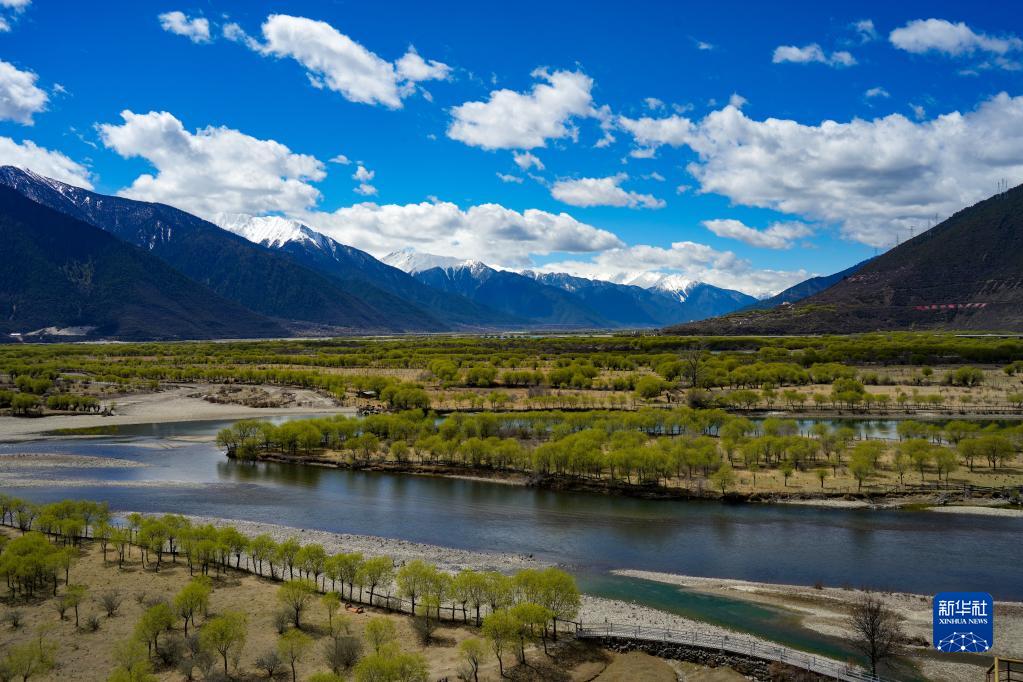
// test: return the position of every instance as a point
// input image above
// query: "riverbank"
(593, 610)
(826, 610)
(175, 404)
(946, 498)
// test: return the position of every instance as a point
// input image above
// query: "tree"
(292, 647)
(154, 621)
(132, 663)
(331, 603)
(380, 632)
(724, 477)
(376, 571)
(822, 474)
(296, 595)
(414, 579)
(224, 635)
(73, 597)
(192, 599)
(392, 665)
(878, 630)
(474, 652)
(501, 629)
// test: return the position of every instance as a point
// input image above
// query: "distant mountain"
(63, 277)
(667, 299)
(262, 280)
(562, 299)
(806, 288)
(508, 292)
(380, 284)
(965, 273)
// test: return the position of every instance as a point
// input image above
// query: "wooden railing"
(736, 644)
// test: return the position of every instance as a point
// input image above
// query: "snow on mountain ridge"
(270, 231)
(412, 261)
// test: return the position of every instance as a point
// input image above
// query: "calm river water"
(913, 551)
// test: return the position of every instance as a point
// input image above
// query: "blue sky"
(656, 124)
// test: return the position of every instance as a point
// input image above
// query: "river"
(909, 551)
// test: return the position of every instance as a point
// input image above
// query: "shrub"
(110, 601)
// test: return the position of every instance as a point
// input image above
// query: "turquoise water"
(777, 624)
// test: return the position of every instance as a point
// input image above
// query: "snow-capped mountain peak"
(412, 261)
(270, 231)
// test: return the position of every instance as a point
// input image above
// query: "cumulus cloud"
(938, 35)
(197, 30)
(341, 159)
(52, 164)
(365, 177)
(214, 169)
(642, 263)
(489, 232)
(527, 160)
(810, 54)
(602, 192)
(413, 68)
(515, 179)
(19, 96)
(776, 236)
(516, 120)
(876, 92)
(336, 62)
(876, 178)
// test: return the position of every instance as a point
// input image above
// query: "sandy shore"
(18, 461)
(175, 404)
(829, 503)
(978, 510)
(826, 611)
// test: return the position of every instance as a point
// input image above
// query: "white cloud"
(19, 96)
(643, 263)
(876, 92)
(515, 120)
(919, 112)
(702, 45)
(602, 192)
(214, 169)
(505, 177)
(810, 54)
(876, 178)
(414, 68)
(365, 177)
(489, 232)
(527, 160)
(197, 30)
(52, 164)
(654, 176)
(865, 30)
(938, 35)
(653, 103)
(15, 4)
(776, 236)
(341, 160)
(335, 61)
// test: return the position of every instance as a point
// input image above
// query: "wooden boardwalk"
(735, 644)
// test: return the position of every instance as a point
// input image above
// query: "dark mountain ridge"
(965, 273)
(59, 272)
(269, 283)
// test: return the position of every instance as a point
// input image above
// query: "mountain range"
(68, 278)
(274, 276)
(964, 273)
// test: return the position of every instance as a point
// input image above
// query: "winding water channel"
(912, 551)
